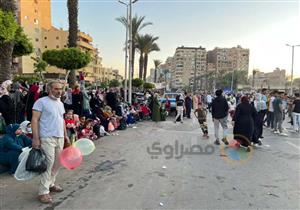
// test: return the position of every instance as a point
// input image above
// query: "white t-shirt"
(271, 109)
(209, 99)
(51, 122)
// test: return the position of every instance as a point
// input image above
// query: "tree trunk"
(73, 33)
(141, 65)
(145, 66)
(6, 51)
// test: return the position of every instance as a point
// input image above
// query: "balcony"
(85, 45)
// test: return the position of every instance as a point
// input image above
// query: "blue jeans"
(296, 121)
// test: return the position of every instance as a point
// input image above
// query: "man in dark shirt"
(296, 112)
(219, 111)
(278, 113)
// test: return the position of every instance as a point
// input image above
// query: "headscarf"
(11, 129)
(3, 88)
(35, 90)
(24, 125)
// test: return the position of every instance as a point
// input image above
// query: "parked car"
(172, 99)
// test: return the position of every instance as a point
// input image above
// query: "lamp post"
(130, 41)
(231, 86)
(126, 53)
(195, 71)
(292, 70)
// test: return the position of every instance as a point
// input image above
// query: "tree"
(137, 82)
(73, 32)
(148, 86)
(239, 77)
(156, 64)
(141, 45)
(39, 67)
(137, 25)
(150, 47)
(68, 59)
(114, 83)
(22, 44)
(8, 29)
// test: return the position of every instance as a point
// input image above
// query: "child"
(87, 131)
(70, 124)
(201, 113)
(146, 111)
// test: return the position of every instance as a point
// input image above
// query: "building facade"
(229, 59)
(187, 63)
(270, 80)
(35, 17)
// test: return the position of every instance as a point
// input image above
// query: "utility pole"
(195, 70)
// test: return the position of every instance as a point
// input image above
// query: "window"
(65, 45)
(57, 38)
(46, 46)
(36, 39)
(36, 21)
(35, 1)
(57, 46)
(45, 38)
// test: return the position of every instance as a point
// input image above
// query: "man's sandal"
(45, 198)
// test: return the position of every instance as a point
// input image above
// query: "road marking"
(293, 145)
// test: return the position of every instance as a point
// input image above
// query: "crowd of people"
(51, 117)
(249, 112)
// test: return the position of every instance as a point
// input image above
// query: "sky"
(263, 26)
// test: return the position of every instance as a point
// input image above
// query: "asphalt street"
(170, 166)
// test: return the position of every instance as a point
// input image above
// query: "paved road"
(121, 174)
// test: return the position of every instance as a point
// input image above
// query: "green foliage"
(68, 59)
(39, 67)
(30, 79)
(224, 80)
(103, 85)
(148, 85)
(8, 27)
(114, 83)
(137, 82)
(23, 45)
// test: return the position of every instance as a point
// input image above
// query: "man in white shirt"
(49, 133)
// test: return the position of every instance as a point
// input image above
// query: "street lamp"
(126, 52)
(130, 41)
(292, 70)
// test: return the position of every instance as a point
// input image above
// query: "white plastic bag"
(21, 174)
(103, 132)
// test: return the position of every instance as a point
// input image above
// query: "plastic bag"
(36, 161)
(21, 174)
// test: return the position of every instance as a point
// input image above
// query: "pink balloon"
(234, 144)
(70, 157)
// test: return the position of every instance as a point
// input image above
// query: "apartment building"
(187, 62)
(35, 18)
(228, 59)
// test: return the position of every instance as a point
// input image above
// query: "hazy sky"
(262, 26)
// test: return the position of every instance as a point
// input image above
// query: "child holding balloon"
(70, 124)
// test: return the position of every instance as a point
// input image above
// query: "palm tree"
(141, 46)
(73, 32)
(137, 25)
(6, 49)
(156, 64)
(150, 47)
